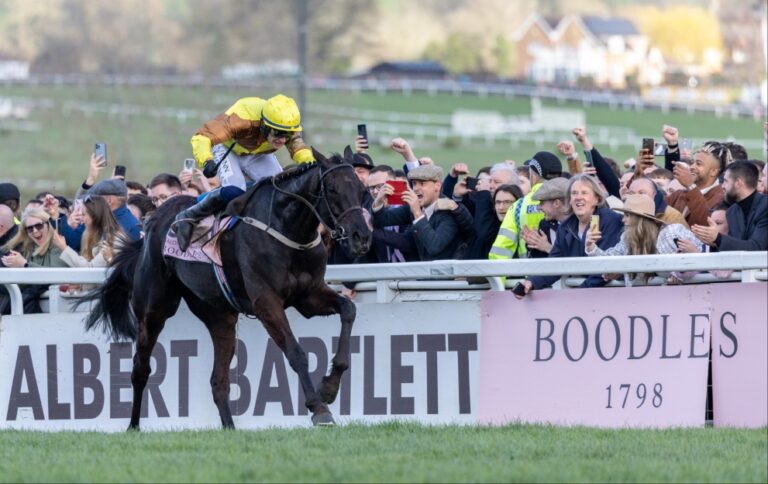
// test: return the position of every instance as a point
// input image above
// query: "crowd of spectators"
(583, 204)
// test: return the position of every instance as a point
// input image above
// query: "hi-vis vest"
(509, 241)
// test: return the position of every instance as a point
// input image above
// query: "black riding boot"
(186, 219)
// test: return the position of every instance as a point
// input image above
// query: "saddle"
(204, 246)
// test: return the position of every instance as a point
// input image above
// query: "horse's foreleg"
(276, 324)
(329, 387)
(148, 331)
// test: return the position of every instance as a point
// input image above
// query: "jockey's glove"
(210, 168)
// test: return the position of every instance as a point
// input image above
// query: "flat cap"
(113, 186)
(551, 190)
(426, 173)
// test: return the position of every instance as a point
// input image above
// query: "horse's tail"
(112, 301)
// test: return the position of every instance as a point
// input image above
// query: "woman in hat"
(644, 233)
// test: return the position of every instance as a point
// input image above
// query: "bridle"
(337, 232)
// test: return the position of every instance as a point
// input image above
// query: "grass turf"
(391, 452)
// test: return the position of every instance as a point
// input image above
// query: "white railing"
(387, 279)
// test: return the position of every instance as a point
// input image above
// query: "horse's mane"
(293, 172)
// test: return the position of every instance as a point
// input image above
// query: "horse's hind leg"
(276, 323)
(324, 302)
(221, 325)
(151, 323)
(149, 329)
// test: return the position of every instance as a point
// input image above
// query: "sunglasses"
(276, 133)
(32, 228)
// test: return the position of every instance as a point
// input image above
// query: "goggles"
(277, 133)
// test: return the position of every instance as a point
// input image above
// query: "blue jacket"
(127, 222)
(72, 236)
(569, 243)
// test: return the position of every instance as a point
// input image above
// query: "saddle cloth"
(202, 248)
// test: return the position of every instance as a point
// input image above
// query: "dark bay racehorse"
(266, 276)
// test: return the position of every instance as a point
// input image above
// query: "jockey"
(242, 141)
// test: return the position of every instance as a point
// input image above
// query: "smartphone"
(648, 145)
(189, 164)
(120, 171)
(77, 205)
(397, 197)
(519, 289)
(686, 148)
(594, 224)
(675, 240)
(471, 183)
(100, 149)
(362, 131)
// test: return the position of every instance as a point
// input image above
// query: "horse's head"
(344, 195)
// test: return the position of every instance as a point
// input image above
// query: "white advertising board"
(416, 361)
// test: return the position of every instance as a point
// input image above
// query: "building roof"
(601, 26)
(414, 67)
(552, 21)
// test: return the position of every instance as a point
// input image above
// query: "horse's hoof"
(323, 420)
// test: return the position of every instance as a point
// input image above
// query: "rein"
(337, 232)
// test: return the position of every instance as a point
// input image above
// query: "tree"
(683, 34)
(460, 53)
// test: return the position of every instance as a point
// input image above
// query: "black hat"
(362, 160)
(545, 164)
(9, 191)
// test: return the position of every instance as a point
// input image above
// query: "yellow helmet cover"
(281, 112)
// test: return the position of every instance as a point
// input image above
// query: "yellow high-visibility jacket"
(509, 241)
(241, 123)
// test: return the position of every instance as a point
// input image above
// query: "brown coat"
(698, 204)
(242, 123)
(246, 132)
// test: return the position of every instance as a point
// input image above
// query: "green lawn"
(392, 452)
(56, 156)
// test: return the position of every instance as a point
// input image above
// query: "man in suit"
(435, 231)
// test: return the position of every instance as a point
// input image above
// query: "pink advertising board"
(608, 357)
(740, 355)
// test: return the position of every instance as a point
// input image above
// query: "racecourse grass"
(56, 156)
(391, 452)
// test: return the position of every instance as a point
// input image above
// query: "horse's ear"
(348, 154)
(318, 156)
